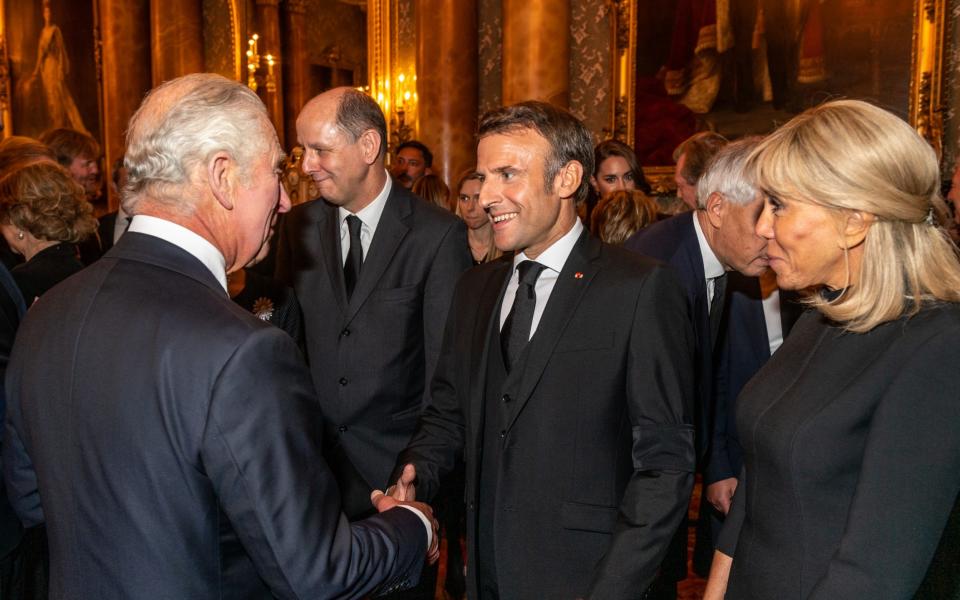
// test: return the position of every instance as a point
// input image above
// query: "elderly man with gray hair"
(170, 441)
(718, 256)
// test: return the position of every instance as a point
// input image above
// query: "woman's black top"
(852, 463)
(46, 269)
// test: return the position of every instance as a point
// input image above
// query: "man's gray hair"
(725, 174)
(179, 126)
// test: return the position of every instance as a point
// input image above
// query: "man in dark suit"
(12, 308)
(374, 269)
(562, 381)
(180, 455)
(702, 247)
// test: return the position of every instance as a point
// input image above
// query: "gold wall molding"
(927, 71)
(623, 33)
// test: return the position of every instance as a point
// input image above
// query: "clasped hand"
(404, 492)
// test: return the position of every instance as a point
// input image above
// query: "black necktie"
(516, 329)
(716, 307)
(351, 268)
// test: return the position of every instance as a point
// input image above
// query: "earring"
(19, 235)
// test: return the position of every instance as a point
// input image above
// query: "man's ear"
(220, 177)
(369, 142)
(854, 227)
(569, 178)
(714, 207)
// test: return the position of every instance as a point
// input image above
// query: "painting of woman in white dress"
(50, 73)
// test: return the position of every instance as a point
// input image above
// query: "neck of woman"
(36, 246)
(479, 240)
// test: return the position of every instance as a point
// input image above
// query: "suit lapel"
(574, 280)
(329, 226)
(487, 317)
(390, 232)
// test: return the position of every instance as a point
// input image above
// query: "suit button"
(506, 398)
(503, 433)
(345, 333)
(471, 506)
(343, 381)
(342, 429)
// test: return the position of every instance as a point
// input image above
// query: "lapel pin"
(578, 275)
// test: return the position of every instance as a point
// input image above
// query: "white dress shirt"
(712, 268)
(369, 218)
(185, 239)
(771, 310)
(553, 258)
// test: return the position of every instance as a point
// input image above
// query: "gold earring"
(19, 235)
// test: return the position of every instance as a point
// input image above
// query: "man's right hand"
(720, 494)
(404, 493)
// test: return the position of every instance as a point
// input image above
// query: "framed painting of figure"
(742, 67)
(51, 53)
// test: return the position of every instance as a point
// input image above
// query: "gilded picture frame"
(50, 71)
(920, 50)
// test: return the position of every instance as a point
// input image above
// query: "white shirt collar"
(185, 239)
(712, 267)
(556, 255)
(371, 213)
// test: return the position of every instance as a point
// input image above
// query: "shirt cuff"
(426, 523)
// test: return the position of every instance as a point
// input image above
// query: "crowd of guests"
(539, 350)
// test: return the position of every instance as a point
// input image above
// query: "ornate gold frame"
(926, 77)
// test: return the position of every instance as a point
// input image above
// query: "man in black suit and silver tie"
(564, 382)
(179, 456)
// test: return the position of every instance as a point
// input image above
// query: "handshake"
(404, 493)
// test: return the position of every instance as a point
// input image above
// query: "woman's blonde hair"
(43, 199)
(493, 252)
(620, 214)
(848, 155)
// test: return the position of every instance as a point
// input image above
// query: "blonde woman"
(479, 228)
(620, 214)
(850, 432)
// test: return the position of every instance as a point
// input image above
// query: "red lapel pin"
(578, 275)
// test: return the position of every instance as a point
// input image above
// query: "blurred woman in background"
(43, 214)
(479, 227)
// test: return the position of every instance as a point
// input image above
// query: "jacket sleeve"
(660, 402)
(451, 260)
(439, 437)
(908, 482)
(261, 449)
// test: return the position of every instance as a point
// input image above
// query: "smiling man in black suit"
(562, 380)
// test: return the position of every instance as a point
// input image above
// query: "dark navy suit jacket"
(175, 442)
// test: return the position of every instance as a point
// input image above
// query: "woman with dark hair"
(43, 214)
(849, 432)
(616, 168)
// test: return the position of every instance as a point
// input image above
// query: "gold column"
(267, 14)
(447, 83)
(125, 35)
(296, 66)
(176, 38)
(536, 51)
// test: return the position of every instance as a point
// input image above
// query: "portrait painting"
(51, 47)
(742, 67)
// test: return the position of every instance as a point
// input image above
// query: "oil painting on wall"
(53, 67)
(742, 67)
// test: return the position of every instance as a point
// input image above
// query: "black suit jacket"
(372, 357)
(596, 455)
(674, 241)
(852, 460)
(178, 456)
